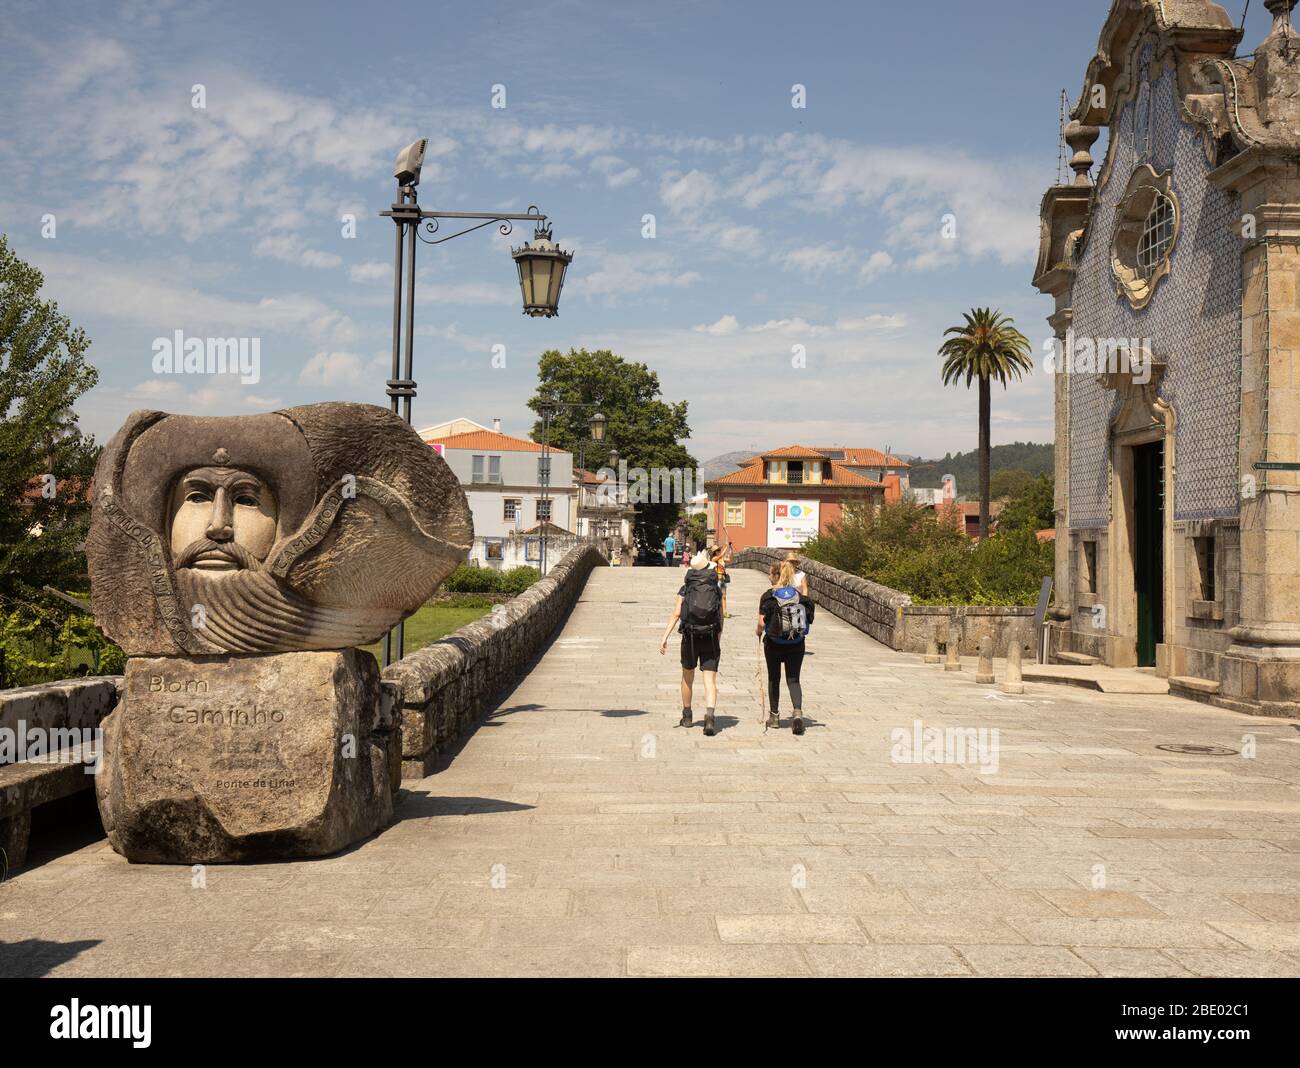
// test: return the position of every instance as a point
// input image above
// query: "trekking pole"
(762, 692)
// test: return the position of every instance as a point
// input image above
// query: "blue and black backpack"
(789, 623)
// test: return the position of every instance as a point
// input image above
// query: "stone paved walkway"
(580, 832)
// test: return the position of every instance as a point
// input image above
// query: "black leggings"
(792, 657)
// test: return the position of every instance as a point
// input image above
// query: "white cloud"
(726, 325)
(371, 271)
(877, 264)
(690, 193)
(333, 369)
(292, 249)
(135, 295)
(818, 259)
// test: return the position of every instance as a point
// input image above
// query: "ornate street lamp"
(541, 273)
(539, 261)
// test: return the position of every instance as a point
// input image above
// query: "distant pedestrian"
(782, 627)
(800, 582)
(718, 557)
(698, 617)
(670, 549)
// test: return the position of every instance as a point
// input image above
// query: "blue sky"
(775, 226)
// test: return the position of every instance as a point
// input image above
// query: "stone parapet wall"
(874, 609)
(68, 704)
(447, 685)
(1003, 623)
(893, 620)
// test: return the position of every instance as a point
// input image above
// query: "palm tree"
(986, 346)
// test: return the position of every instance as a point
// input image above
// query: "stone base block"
(248, 757)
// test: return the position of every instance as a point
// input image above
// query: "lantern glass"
(597, 425)
(541, 274)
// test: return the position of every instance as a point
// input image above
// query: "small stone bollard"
(984, 673)
(1014, 682)
(953, 663)
(932, 650)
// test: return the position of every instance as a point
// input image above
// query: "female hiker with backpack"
(782, 626)
(699, 610)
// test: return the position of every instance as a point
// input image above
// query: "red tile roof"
(792, 452)
(868, 457)
(489, 439)
(754, 473)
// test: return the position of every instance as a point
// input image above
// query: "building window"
(511, 508)
(776, 471)
(533, 549)
(1146, 230)
(544, 510)
(485, 469)
(814, 473)
(1090, 566)
(494, 549)
(1205, 564)
(735, 513)
(1157, 236)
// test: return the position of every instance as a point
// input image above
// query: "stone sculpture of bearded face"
(317, 527)
(222, 520)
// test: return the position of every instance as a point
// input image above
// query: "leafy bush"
(903, 546)
(43, 645)
(467, 579)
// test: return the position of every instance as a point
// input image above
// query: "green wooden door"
(1149, 548)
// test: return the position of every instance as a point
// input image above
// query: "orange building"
(788, 496)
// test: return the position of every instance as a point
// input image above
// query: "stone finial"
(1080, 138)
(1281, 12)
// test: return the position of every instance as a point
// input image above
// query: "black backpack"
(701, 603)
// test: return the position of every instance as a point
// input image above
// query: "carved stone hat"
(369, 520)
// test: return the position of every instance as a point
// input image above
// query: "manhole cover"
(1198, 750)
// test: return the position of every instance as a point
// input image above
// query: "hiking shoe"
(797, 724)
(709, 729)
(687, 720)
(773, 720)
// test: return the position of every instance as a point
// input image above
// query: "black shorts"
(702, 649)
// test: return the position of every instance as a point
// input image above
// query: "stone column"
(1261, 669)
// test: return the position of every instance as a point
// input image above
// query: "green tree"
(905, 547)
(1034, 508)
(45, 465)
(1006, 485)
(646, 430)
(986, 346)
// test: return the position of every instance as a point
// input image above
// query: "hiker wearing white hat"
(698, 616)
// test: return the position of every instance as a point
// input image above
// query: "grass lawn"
(431, 621)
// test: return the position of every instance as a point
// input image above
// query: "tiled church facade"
(1178, 494)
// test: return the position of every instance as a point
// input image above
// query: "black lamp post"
(541, 276)
(596, 427)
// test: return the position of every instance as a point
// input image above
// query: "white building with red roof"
(504, 480)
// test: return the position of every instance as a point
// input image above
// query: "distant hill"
(964, 466)
(722, 465)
